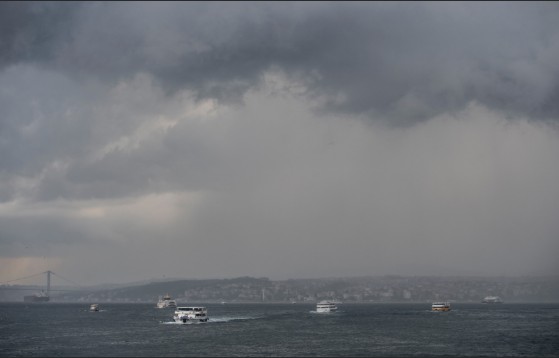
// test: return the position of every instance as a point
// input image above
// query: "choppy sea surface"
(268, 330)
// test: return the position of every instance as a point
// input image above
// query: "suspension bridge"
(44, 296)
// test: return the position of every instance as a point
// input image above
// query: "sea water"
(267, 330)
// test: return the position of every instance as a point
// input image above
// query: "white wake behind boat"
(191, 314)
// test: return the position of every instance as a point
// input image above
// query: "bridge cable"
(21, 278)
(72, 282)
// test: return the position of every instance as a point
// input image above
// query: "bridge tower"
(48, 282)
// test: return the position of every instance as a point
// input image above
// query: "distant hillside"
(355, 289)
(182, 290)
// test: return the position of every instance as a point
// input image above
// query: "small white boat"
(191, 314)
(492, 299)
(166, 301)
(94, 307)
(440, 306)
(326, 306)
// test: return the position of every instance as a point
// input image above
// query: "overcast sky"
(148, 140)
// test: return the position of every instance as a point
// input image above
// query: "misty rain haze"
(145, 140)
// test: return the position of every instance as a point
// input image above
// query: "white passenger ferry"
(191, 314)
(326, 306)
(166, 301)
(94, 307)
(440, 306)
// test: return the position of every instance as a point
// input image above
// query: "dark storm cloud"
(31, 31)
(402, 62)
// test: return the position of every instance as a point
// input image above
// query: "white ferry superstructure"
(166, 301)
(191, 314)
(326, 306)
(440, 306)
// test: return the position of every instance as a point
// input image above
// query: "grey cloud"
(23, 236)
(31, 31)
(401, 62)
(36, 120)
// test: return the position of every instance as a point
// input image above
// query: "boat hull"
(326, 310)
(440, 306)
(187, 320)
(166, 305)
(36, 298)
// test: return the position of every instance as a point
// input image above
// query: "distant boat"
(94, 307)
(166, 301)
(326, 306)
(41, 297)
(440, 306)
(492, 299)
